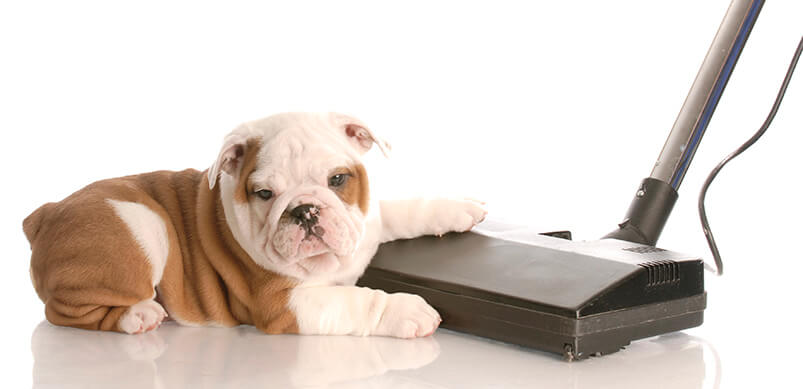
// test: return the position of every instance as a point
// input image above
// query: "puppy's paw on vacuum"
(458, 215)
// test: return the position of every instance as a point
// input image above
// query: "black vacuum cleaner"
(578, 298)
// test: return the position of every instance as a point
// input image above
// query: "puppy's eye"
(264, 194)
(338, 180)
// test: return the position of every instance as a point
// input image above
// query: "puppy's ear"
(230, 159)
(359, 135)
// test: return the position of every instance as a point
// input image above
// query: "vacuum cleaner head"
(581, 298)
(574, 298)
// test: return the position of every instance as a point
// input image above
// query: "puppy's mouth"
(310, 233)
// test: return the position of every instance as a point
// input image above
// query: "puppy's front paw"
(457, 215)
(407, 316)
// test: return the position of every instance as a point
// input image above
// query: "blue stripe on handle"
(713, 99)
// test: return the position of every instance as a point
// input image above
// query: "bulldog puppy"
(274, 234)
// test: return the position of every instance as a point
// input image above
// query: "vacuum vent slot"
(661, 272)
(644, 249)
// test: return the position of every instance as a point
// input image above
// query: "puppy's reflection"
(176, 356)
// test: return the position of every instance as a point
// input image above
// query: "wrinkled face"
(295, 193)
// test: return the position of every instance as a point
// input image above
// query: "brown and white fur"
(205, 248)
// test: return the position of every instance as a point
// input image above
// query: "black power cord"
(701, 202)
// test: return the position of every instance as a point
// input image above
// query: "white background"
(550, 112)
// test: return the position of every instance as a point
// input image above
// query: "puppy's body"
(273, 235)
(93, 258)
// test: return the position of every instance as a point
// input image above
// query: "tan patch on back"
(243, 189)
(355, 191)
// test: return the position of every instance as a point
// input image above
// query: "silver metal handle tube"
(705, 92)
(650, 208)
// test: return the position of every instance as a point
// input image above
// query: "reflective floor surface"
(184, 357)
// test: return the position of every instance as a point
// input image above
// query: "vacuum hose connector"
(648, 213)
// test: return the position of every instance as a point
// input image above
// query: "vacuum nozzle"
(648, 213)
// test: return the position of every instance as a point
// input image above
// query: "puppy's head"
(294, 190)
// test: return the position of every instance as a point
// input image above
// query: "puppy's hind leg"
(95, 264)
(150, 232)
(142, 317)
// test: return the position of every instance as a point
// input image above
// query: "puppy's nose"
(305, 213)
